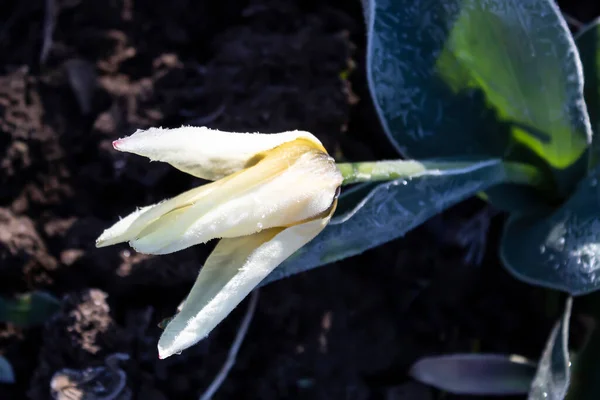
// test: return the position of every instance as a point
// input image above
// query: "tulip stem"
(375, 171)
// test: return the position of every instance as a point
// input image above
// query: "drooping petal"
(294, 183)
(129, 227)
(119, 232)
(203, 152)
(231, 272)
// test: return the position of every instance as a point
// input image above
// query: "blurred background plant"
(26, 310)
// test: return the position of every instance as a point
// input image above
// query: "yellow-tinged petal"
(292, 184)
(203, 152)
(235, 267)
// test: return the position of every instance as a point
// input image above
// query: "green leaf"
(588, 43)
(29, 309)
(388, 211)
(585, 370)
(7, 374)
(476, 374)
(553, 374)
(560, 250)
(497, 78)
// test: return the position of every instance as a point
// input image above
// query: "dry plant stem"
(574, 22)
(235, 347)
(49, 21)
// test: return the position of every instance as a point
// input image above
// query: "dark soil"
(347, 331)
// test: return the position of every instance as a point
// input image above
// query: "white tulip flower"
(272, 194)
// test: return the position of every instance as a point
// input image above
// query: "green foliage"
(465, 77)
(458, 78)
(497, 374)
(560, 250)
(29, 309)
(468, 81)
(26, 310)
(553, 375)
(585, 376)
(489, 83)
(588, 43)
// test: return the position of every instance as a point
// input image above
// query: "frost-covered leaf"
(553, 375)
(588, 43)
(585, 368)
(388, 211)
(479, 77)
(560, 250)
(7, 374)
(476, 374)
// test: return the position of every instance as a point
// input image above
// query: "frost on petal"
(230, 273)
(282, 190)
(120, 231)
(131, 226)
(203, 152)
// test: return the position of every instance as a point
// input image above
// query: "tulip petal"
(279, 191)
(119, 231)
(203, 152)
(231, 272)
(129, 227)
